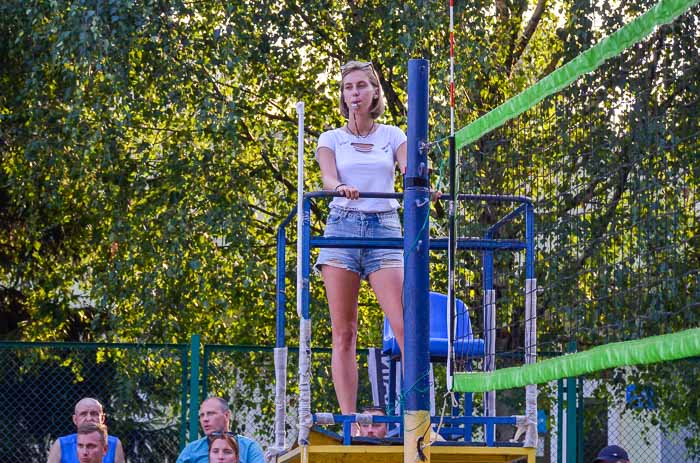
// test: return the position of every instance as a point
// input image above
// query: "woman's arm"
(329, 174)
(402, 158)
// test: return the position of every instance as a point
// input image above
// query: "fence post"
(194, 387)
(571, 421)
(560, 420)
(183, 394)
(580, 417)
(205, 373)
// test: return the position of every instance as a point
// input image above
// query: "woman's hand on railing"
(347, 191)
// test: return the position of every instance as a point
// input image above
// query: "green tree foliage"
(148, 148)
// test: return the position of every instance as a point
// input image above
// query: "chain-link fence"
(142, 389)
(245, 376)
(633, 407)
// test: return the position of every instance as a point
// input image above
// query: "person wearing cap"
(612, 454)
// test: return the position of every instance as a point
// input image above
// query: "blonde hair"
(377, 108)
(89, 428)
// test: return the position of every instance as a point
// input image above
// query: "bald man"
(65, 449)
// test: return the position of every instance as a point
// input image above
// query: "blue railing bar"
(469, 420)
(397, 243)
(461, 197)
(287, 219)
(493, 229)
(281, 297)
(368, 194)
(474, 420)
(495, 198)
(480, 244)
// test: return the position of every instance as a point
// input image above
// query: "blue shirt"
(198, 451)
(69, 449)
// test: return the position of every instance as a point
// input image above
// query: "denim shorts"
(350, 223)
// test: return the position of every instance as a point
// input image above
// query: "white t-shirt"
(371, 171)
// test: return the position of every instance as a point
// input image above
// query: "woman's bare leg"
(387, 284)
(342, 288)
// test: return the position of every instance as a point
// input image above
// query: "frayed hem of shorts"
(334, 264)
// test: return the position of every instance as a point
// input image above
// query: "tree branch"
(528, 32)
(396, 108)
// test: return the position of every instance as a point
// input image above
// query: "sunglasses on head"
(362, 65)
(217, 434)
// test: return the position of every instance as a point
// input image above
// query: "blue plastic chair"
(465, 346)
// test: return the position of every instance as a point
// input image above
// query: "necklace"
(357, 132)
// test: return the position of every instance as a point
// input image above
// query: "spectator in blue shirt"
(64, 449)
(215, 417)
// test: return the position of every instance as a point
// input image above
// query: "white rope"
(530, 358)
(490, 354)
(306, 420)
(325, 418)
(280, 397)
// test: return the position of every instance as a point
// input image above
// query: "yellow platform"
(323, 449)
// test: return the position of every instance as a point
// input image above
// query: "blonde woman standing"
(360, 156)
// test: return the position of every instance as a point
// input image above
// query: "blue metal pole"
(416, 355)
(530, 241)
(281, 297)
(305, 259)
(489, 337)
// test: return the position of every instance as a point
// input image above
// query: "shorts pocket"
(390, 222)
(334, 218)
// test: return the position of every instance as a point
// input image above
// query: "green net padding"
(662, 13)
(637, 352)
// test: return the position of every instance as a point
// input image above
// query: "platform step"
(323, 448)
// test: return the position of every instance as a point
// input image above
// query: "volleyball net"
(607, 147)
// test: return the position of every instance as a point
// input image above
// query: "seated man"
(91, 443)
(375, 430)
(215, 418)
(87, 410)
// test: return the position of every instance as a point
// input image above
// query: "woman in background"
(223, 447)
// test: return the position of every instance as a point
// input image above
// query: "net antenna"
(451, 234)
